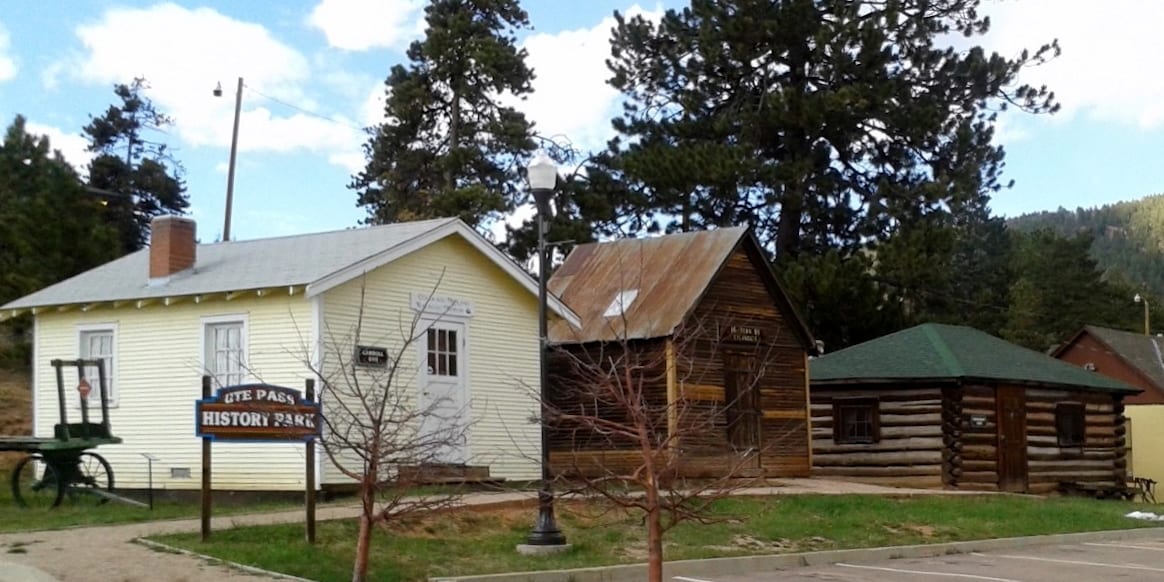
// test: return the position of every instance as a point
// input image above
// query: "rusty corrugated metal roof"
(669, 273)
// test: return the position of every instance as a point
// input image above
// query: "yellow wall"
(502, 344)
(158, 378)
(1147, 442)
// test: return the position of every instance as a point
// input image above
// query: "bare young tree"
(644, 427)
(377, 431)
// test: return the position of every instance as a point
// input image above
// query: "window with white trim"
(226, 353)
(99, 344)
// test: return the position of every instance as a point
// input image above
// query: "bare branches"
(385, 427)
(662, 426)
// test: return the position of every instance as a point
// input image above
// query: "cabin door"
(741, 392)
(1012, 438)
(443, 401)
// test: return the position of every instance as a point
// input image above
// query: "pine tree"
(824, 123)
(52, 225)
(451, 147)
(139, 176)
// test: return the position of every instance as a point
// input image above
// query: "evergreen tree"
(139, 176)
(1058, 289)
(450, 146)
(824, 123)
(52, 225)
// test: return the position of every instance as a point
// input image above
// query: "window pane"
(432, 362)
(452, 365)
(225, 357)
(431, 340)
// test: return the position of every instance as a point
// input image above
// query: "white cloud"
(72, 146)
(192, 50)
(7, 63)
(571, 97)
(359, 25)
(1110, 54)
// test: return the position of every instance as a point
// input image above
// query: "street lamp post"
(1147, 322)
(233, 153)
(543, 178)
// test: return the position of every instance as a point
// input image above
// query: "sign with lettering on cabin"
(745, 334)
(257, 412)
(371, 357)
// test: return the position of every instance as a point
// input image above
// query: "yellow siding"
(502, 344)
(1147, 440)
(158, 379)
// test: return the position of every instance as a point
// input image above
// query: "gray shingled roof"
(232, 266)
(1139, 350)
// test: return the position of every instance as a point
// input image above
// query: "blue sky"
(314, 71)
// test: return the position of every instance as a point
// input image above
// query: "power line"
(302, 110)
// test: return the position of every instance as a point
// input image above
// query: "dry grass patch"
(15, 410)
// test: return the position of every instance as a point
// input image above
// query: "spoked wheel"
(93, 474)
(36, 483)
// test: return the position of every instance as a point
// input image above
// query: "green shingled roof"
(949, 352)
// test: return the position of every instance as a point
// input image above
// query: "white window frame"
(112, 375)
(204, 344)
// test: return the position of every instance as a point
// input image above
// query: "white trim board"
(452, 227)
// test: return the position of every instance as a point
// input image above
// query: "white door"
(443, 401)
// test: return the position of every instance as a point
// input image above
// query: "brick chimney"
(172, 246)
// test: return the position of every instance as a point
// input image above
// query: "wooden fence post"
(310, 474)
(206, 496)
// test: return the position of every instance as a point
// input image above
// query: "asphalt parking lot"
(1114, 560)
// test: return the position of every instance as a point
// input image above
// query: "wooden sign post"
(257, 413)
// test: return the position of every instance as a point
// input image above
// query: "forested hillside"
(1128, 237)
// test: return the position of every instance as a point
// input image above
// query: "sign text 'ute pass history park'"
(258, 413)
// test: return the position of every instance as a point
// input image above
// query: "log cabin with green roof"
(949, 406)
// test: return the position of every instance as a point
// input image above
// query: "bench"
(1099, 490)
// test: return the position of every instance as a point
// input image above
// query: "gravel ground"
(108, 553)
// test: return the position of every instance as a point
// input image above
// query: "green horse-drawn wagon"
(62, 466)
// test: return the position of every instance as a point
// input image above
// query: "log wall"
(929, 438)
(910, 452)
(1102, 458)
(974, 465)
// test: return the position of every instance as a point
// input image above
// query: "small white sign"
(440, 305)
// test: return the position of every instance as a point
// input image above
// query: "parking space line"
(1129, 546)
(1074, 562)
(926, 573)
(686, 579)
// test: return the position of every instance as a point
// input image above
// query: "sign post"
(258, 413)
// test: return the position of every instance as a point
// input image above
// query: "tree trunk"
(454, 137)
(654, 543)
(364, 537)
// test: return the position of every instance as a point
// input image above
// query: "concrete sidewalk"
(71, 555)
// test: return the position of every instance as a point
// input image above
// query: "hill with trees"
(1127, 237)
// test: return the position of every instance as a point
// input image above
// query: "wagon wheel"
(36, 483)
(92, 473)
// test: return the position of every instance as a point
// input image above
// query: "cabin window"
(225, 344)
(856, 421)
(1070, 424)
(99, 343)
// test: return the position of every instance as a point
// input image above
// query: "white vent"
(179, 472)
(1089, 366)
(622, 301)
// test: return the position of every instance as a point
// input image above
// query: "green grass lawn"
(73, 514)
(482, 541)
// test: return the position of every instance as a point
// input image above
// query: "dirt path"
(108, 553)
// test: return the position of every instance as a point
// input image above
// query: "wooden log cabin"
(949, 406)
(715, 342)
